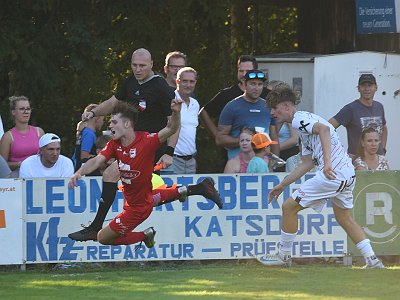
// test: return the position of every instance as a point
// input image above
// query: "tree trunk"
(326, 26)
(239, 26)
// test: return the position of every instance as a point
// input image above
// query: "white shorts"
(316, 191)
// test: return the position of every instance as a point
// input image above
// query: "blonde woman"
(368, 157)
(22, 140)
(239, 163)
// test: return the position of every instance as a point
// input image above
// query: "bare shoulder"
(40, 131)
(232, 165)
(7, 137)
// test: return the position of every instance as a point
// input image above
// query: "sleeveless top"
(23, 144)
(243, 164)
(382, 163)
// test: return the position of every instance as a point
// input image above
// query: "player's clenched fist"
(87, 115)
(176, 104)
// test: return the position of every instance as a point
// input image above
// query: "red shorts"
(130, 218)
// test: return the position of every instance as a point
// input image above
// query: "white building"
(328, 82)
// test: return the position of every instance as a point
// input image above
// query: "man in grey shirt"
(362, 113)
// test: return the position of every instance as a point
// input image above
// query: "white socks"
(286, 243)
(182, 190)
(366, 250)
(285, 249)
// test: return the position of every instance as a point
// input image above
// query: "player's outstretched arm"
(305, 166)
(166, 160)
(173, 123)
(88, 167)
(103, 109)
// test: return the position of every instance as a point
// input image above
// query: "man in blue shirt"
(247, 110)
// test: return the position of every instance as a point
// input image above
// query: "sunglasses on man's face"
(256, 75)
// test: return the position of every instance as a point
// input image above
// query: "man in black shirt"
(174, 61)
(152, 96)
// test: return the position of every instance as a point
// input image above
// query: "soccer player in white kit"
(334, 178)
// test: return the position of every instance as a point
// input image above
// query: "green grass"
(211, 280)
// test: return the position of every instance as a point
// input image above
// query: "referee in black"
(152, 96)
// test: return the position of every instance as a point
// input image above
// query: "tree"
(330, 27)
(64, 55)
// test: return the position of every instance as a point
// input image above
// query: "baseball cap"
(367, 78)
(255, 74)
(48, 138)
(261, 140)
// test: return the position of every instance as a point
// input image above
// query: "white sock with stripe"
(366, 250)
(285, 249)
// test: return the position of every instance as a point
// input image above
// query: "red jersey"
(135, 164)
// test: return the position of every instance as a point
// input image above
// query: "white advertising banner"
(196, 229)
(11, 238)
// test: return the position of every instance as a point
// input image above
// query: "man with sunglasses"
(209, 114)
(248, 110)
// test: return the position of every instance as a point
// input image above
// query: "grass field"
(210, 280)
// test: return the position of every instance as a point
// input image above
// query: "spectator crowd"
(155, 120)
(232, 118)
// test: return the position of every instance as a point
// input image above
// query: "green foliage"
(64, 55)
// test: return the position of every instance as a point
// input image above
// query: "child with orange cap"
(260, 143)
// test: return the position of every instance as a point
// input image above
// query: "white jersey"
(32, 167)
(186, 144)
(303, 122)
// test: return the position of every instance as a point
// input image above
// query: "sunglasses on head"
(253, 75)
(370, 128)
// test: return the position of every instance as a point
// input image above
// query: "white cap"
(48, 138)
(260, 129)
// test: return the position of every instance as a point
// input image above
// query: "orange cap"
(261, 140)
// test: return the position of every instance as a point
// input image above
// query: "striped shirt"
(303, 122)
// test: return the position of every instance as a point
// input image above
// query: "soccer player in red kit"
(134, 152)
